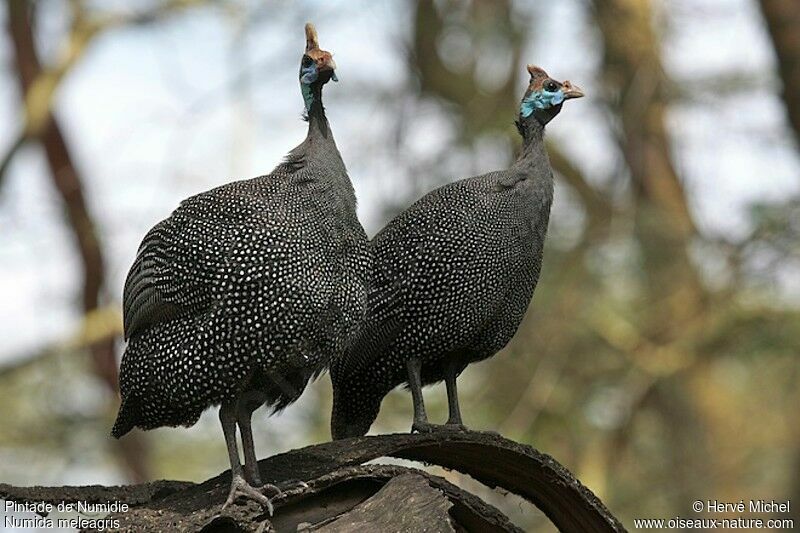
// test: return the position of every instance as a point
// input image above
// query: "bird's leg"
(251, 472)
(421, 424)
(239, 487)
(228, 421)
(450, 377)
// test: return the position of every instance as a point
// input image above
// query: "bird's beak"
(570, 91)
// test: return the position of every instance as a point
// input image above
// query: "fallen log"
(326, 486)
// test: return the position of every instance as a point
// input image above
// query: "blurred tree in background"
(659, 360)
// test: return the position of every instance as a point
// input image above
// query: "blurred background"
(659, 359)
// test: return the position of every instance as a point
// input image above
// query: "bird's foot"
(455, 426)
(269, 487)
(240, 487)
(423, 427)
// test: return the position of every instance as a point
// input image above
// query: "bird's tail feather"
(125, 417)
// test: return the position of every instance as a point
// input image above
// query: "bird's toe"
(240, 487)
(270, 488)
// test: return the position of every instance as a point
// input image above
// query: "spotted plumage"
(248, 290)
(453, 276)
(254, 278)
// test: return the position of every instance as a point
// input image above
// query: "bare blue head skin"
(316, 69)
(544, 97)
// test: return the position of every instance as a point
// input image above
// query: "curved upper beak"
(570, 90)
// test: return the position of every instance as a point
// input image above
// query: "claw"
(240, 487)
(274, 489)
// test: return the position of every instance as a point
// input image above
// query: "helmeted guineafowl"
(247, 291)
(452, 277)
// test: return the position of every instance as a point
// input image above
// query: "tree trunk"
(68, 183)
(636, 81)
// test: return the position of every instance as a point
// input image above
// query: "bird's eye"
(550, 86)
(307, 61)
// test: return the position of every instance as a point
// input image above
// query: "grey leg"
(239, 487)
(227, 416)
(251, 472)
(421, 424)
(450, 377)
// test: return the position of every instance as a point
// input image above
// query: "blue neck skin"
(541, 99)
(308, 75)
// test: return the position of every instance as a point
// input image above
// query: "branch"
(63, 172)
(37, 87)
(336, 485)
(98, 326)
(15, 147)
(664, 228)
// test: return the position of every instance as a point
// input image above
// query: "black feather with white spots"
(453, 277)
(254, 285)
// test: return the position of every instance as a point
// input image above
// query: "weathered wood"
(337, 484)
(323, 499)
(402, 504)
(487, 457)
(131, 494)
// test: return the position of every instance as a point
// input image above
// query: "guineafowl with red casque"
(452, 277)
(247, 291)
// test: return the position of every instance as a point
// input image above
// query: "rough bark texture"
(401, 505)
(340, 491)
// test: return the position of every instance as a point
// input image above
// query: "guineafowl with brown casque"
(452, 277)
(247, 291)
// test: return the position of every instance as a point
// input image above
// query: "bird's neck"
(533, 151)
(319, 151)
(319, 147)
(318, 126)
(531, 131)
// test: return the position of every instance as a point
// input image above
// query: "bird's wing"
(144, 301)
(175, 268)
(417, 257)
